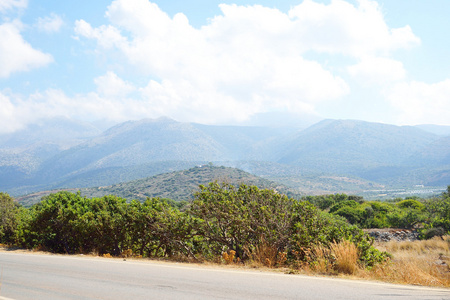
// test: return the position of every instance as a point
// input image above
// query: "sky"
(253, 62)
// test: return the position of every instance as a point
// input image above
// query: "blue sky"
(224, 62)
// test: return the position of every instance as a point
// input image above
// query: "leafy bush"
(346, 203)
(405, 218)
(430, 233)
(240, 218)
(438, 210)
(8, 218)
(411, 203)
(351, 214)
(244, 219)
(54, 223)
(245, 222)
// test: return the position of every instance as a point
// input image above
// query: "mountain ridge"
(381, 153)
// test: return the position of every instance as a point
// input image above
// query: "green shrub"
(8, 218)
(222, 218)
(346, 203)
(430, 233)
(351, 214)
(410, 203)
(240, 219)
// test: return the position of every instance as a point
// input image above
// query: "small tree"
(239, 219)
(8, 218)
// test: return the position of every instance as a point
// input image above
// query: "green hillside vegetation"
(177, 185)
(180, 185)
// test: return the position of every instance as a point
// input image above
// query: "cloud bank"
(249, 59)
(246, 61)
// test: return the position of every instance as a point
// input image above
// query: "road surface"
(31, 276)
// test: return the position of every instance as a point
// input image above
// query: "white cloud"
(50, 24)
(422, 103)
(110, 85)
(246, 61)
(17, 112)
(106, 36)
(377, 70)
(16, 54)
(351, 30)
(9, 121)
(11, 4)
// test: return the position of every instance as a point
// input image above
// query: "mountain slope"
(345, 154)
(135, 143)
(247, 142)
(22, 152)
(436, 154)
(179, 185)
(441, 130)
(354, 147)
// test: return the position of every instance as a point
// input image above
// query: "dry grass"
(419, 262)
(340, 257)
(346, 256)
(425, 263)
(320, 258)
(265, 254)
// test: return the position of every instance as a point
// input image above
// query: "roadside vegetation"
(243, 225)
(424, 262)
(430, 217)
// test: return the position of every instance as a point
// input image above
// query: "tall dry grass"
(418, 262)
(266, 254)
(346, 257)
(320, 260)
(340, 257)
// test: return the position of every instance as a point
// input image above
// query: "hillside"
(354, 147)
(245, 143)
(179, 185)
(133, 143)
(434, 154)
(23, 152)
(441, 130)
(138, 149)
(305, 181)
(330, 156)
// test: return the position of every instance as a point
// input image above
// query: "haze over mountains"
(66, 154)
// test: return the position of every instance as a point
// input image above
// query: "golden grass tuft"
(340, 257)
(346, 257)
(265, 254)
(320, 259)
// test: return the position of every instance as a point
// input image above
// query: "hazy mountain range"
(347, 154)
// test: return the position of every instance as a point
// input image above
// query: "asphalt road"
(31, 276)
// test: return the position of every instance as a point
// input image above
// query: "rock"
(386, 235)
